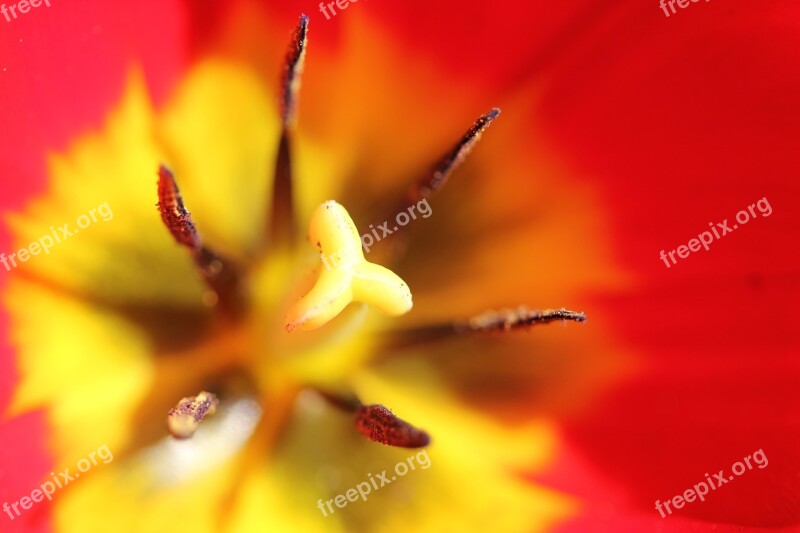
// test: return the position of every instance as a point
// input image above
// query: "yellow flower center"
(135, 329)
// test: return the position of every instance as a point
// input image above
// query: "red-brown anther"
(520, 318)
(503, 321)
(174, 214)
(293, 69)
(378, 424)
(454, 158)
(184, 419)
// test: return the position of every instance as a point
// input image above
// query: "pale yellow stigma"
(346, 276)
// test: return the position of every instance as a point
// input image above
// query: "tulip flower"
(198, 338)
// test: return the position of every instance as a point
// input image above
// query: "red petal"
(683, 121)
(24, 463)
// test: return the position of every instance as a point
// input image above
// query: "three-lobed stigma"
(353, 279)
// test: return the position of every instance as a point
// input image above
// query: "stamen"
(378, 424)
(520, 318)
(282, 225)
(218, 274)
(347, 402)
(184, 419)
(489, 322)
(441, 172)
(174, 213)
(347, 276)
